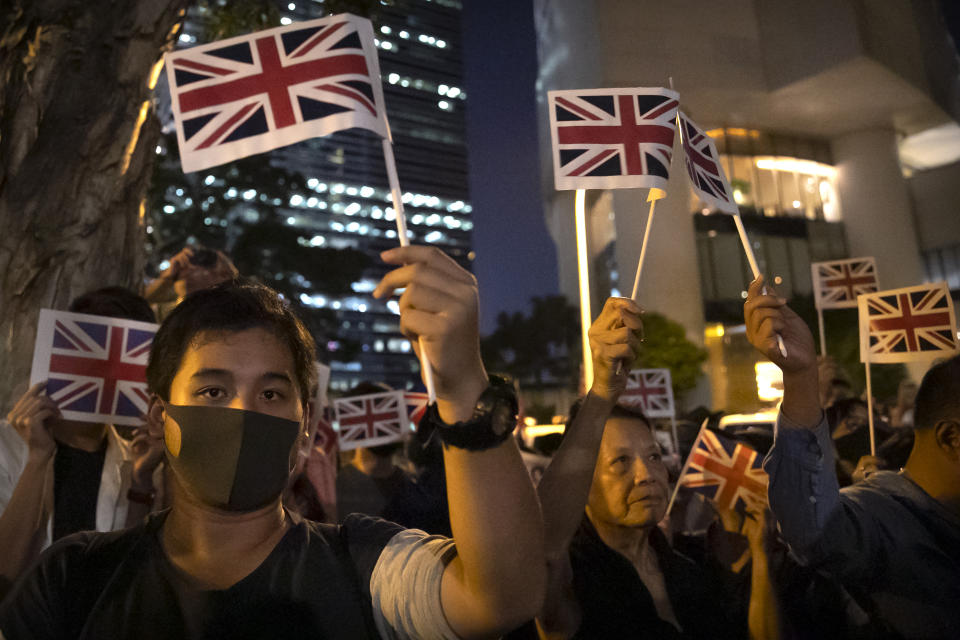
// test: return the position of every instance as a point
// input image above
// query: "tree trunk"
(77, 141)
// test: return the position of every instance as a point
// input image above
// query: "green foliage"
(666, 347)
(843, 344)
(537, 349)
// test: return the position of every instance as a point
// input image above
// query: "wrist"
(457, 404)
(40, 456)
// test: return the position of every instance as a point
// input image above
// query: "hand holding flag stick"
(755, 269)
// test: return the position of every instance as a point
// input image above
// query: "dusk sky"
(516, 258)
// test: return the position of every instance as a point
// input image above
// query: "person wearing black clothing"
(231, 369)
(611, 571)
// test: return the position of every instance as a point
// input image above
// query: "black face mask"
(232, 459)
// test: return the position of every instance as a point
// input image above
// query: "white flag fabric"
(242, 96)
(837, 283)
(707, 176)
(912, 323)
(650, 391)
(612, 138)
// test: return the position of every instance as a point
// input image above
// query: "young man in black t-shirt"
(231, 368)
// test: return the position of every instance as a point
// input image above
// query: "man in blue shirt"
(893, 540)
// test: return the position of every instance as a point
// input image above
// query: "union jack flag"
(650, 391)
(417, 402)
(836, 284)
(725, 471)
(371, 420)
(612, 138)
(703, 166)
(913, 323)
(241, 96)
(95, 367)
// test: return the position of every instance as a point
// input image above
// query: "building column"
(875, 205)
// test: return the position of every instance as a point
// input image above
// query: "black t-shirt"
(76, 485)
(615, 603)
(314, 584)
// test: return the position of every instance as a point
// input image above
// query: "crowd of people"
(224, 516)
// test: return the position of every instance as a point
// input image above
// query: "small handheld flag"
(612, 138)
(703, 166)
(912, 323)
(650, 391)
(724, 470)
(242, 96)
(837, 283)
(95, 367)
(370, 420)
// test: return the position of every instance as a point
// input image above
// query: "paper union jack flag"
(836, 284)
(241, 96)
(95, 367)
(703, 166)
(650, 391)
(726, 471)
(612, 138)
(373, 419)
(417, 402)
(913, 323)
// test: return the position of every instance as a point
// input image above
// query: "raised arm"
(803, 490)
(565, 485)
(496, 581)
(23, 520)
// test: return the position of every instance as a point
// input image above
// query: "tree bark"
(77, 139)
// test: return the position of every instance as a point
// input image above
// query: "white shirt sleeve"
(405, 587)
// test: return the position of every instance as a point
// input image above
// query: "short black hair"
(231, 306)
(618, 411)
(938, 397)
(839, 410)
(113, 302)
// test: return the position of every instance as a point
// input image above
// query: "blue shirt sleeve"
(823, 527)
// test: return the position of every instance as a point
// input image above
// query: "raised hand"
(615, 338)
(766, 317)
(29, 417)
(438, 312)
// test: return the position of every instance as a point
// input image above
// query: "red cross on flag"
(837, 283)
(371, 420)
(725, 471)
(95, 367)
(650, 391)
(612, 138)
(913, 323)
(707, 176)
(242, 96)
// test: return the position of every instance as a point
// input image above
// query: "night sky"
(516, 258)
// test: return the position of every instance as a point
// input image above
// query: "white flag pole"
(873, 438)
(686, 465)
(673, 428)
(395, 195)
(752, 259)
(643, 250)
(583, 268)
(823, 335)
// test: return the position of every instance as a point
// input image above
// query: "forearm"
(801, 397)
(497, 580)
(763, 618)
(565, 485)
(24, 520)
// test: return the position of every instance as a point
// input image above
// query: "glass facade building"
(346, 201)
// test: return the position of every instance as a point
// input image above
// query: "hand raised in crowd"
(439, 306)
(766, 317)
(29, 417)
(615, 338)
(147, 453)
(866, 466)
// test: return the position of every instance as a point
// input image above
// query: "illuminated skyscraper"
(346, 202)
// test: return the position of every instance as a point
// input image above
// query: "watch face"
(502, 419)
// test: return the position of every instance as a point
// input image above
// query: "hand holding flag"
(615, 337)
(767, 316)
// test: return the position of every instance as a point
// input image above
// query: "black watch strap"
(493, 421)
